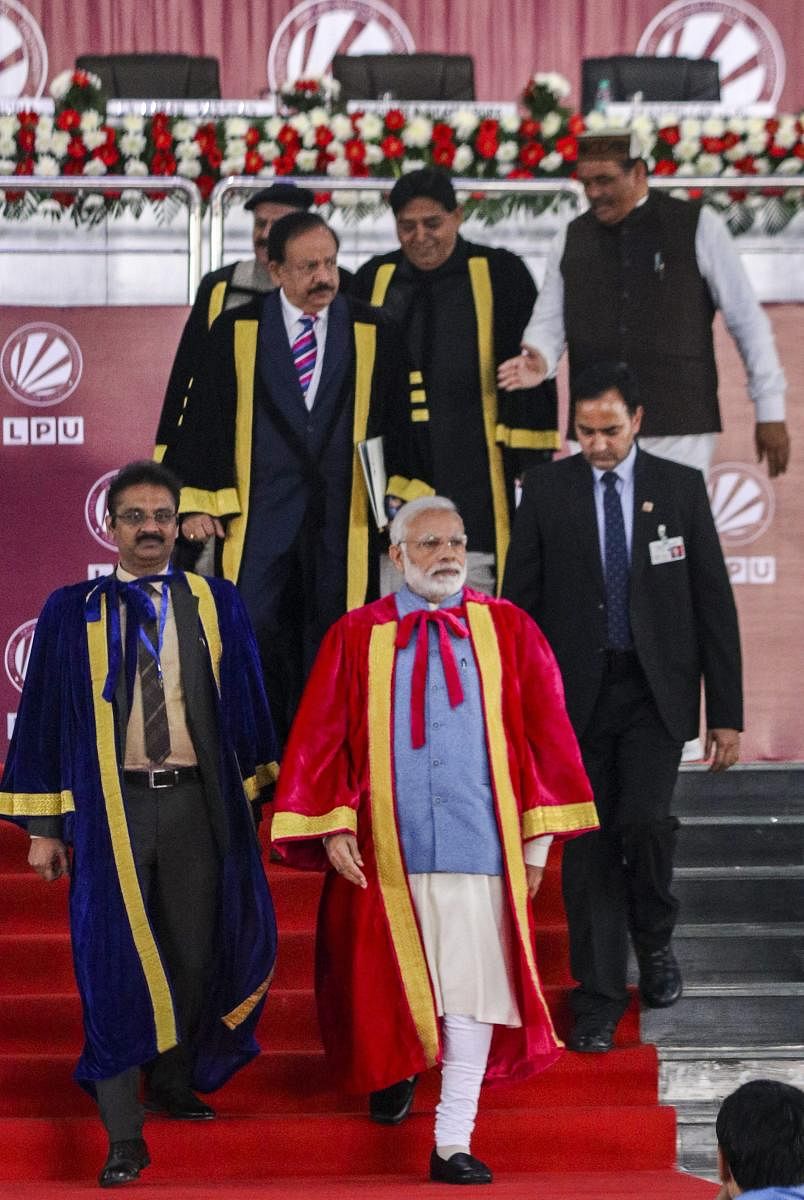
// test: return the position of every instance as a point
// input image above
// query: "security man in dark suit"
(615, 554)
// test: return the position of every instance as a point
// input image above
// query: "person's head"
(606, 412)
(613, 180)
(141, 519)
(428, 545)
(303, 256)
(760, 1137)
(267, 206)
(427, 217)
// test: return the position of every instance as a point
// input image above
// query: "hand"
(535, 875)
(198, 527)
(527, 370)
(722, 747)
(344, 856)
(48, 857)
(773, 444)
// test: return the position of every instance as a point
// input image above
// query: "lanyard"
(156, 650)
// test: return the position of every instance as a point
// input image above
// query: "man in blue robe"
(142, 734)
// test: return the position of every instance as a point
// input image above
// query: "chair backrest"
(160, 76)
(667, 78)
(405, 76)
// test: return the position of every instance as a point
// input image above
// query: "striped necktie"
(154, 711)
(305, 351)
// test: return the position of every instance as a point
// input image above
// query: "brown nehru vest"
(633, 293)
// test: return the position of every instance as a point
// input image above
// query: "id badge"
(666, 549)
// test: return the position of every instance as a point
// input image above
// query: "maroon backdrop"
(80, 391)
(509, 39)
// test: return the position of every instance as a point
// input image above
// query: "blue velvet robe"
(64, 761)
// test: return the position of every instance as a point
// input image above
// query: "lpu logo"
(41, 365)
(18, 653)
(743, 505)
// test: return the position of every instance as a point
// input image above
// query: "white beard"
(437, 582)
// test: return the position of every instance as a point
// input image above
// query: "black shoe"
(391, 1105)
(592, 1035)
(459, 1168)
(182, 1106)
(659, 978)
(124, 1162)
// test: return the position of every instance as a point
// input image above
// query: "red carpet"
(281, 1118)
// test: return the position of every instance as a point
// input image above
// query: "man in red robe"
(430, 765)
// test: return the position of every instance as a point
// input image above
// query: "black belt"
(162, 777)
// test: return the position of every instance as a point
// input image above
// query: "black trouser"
(618, 879)
(178, 871)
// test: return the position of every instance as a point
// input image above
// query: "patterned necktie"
(305, 351)
(617, 567)
(154, 712)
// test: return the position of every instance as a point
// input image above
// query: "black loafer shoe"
(391, 1105)
(459, 1168)
(592, 1037)
(124, 1163)
(660, 983)
(182, 1106)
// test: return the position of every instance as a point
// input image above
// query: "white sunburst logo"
(95, 510)
(23, 53)
(18, 653)
(312, 33)
(742, 502)
(41, 364)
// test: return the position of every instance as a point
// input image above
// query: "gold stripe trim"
(390, 869)
(528, 439)
(418, 396)
(245, 356)
(216, 299)
(487, 650)
(218, 504)
(238, 1015)
(357, 556)
(420, 414)
(381, 281)
(262, 777)
(208, 615)
(159, 452)
(484, 312)
(295, 825)
(36, 804)
(415, 377)
(155, 978)
(559, 818)
(408, 489)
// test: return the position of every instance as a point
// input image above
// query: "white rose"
(371, 126)
(8, 126)
(755, 143)
(341, 126)
(183, 131)
(308, 139)
(690, 128)
(551, 162)
(59, 141)
(735, 152)
(595, 120)
(374, 154)
(731, 172)
(189, 167)
(463, 160)
(790, 166)
(7, 166)
(713, 127)
(300, 122)
(133, 123)
(736, 125)
(233, 164)
(60, 86)
(642, 125)
(269, 150)
(411, 164)
(272, 126)
(187, 149)
(687, 168)
(338, 168)
(685, 151)
(709, 164)
(306, 160)
(318, 116)
(506, 152)
(786, 136)
(418, 132)
(510, 123)
(94, 138)
(8, 147)
(132, 145)
(668, 120)
(762, 166)
(94, 167)
(92, 201)
(90, 119)
(755, 125)
(370, 197)
(236, 148)
(46, 164)
(551, 125)
(464, 122)
(135, 166)
(48, 208)
(345, 199)
(235, 127)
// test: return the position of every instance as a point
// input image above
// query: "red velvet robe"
(375, 1002)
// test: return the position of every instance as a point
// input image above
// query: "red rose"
(394, 119)
(109, 134)
(486, 145)
(322, 162)
(214, 157)
(107, 155)
(322, 198)
(76, 149)
(323, 136)
(254, 162)
(670, 135)
(24, 167)
(160, 120)
(65, 199)
(713, 145)
(771, 125)
(444, 154)
(519, 173)
(163, 140)
(442, 132)
(205, 184)
(567, 147)
(163, 164)
(68, 119)
(28, 118)
(392, 146)
(745, 165)
(798, 150)
(284, 164)
(532, 154)
(769, 191)
(359, 170)
(729, 139)
(576, 124)
(26, 139)
(356, 118)
(288, 137)
(252, 137)
(737, 194)
(74, 167)
(488, 126)
(777, 151)
(355, 151)
(665, 166)
(80, 78)
(529, 128)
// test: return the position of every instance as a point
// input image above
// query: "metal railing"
(126, 183)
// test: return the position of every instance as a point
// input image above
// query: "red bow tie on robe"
(445, 619)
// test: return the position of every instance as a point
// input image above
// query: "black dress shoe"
(391, 1105)
(659, 978)
(182, 1106)
(459, 1168)
(124, 1162)
(592, 1036)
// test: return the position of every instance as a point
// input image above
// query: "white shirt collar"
(624, 469)
(292, 314)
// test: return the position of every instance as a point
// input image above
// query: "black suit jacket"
(683, 615)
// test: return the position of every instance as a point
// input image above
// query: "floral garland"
(312, 138)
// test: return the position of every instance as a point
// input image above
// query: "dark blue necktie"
(617, 568)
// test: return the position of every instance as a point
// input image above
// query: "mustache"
(321, 289)
(150, 537)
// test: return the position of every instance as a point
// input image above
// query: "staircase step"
(711, 1076)
(771, 790)
(733, 953)
(240, 1148)
(740, 895)
(708, 1016)
(751, 840)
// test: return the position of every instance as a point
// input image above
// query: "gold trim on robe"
(222, 503)
(245, 357)
(238, 1015)
(528, 439)
(36, 804)
(357, 564)
(294, 825)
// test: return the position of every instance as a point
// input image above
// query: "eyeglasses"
(431, 545)
(138, 516)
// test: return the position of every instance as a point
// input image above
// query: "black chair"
(159, 76)
(405, 76)
(670, 78)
